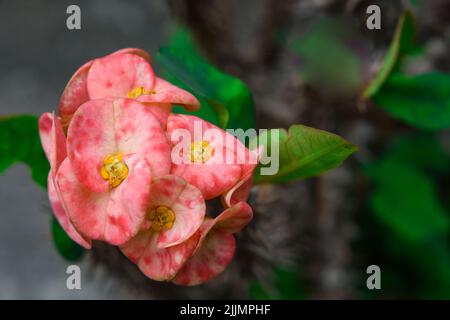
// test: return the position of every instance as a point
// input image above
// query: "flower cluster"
(112, 177)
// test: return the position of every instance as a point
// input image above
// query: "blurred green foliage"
(66, 247)
(406, 200)
(20, 142)
(411, 229)
(286, 284)
(327, 61)
(225, 100)
(303, 152)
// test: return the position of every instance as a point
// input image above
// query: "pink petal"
(75, 93)
(155, 263)
(185, 200)
(161, 111)
(113, 216)
(114, 76)
(62, 217)
(234, 218)
(241, 191)
(100, 128)
(136, 51)
(209, 261)
(53, 140)
(216, 246)
(165, 92)
(45, 132)
(216, 175)
(231, 220)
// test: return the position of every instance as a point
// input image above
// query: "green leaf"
(226, 101)
(406, 200)
(402, 43)
(66, 247)
(20, 142)
(420, 100)
(303, 152)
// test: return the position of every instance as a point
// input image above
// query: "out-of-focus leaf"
(328, 63)
(406, 201)
(402, 43)
(20, 142)
(303, 152)
(228, 100)
(287, 285)
(427, 262)
(66, 247)
(421, 100)
(422, 150)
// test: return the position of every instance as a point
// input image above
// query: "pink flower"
(112, 177)
(123, 74)
(211, 159)
(54, 145)
(169, 236)
(114, 148)
(216, 247)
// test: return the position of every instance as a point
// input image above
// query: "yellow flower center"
(139, 91)
(201, 151)
(162, 218)
(114, 169)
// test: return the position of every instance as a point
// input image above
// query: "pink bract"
(54, 144)
(113, 176)
(219, 173)
(115, 76)
(100, 128)
(216, 246)
(113, 216)
(160, 254)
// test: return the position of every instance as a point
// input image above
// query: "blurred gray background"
(38, 56)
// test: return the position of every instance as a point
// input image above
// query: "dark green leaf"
(421, 100)
(303, 152)
(20, 142)
(406, 200)
(228, 100)
(66, 247)
(402, 43)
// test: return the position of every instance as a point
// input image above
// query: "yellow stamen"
(201, 151)
(162, 218)
(139, 91)
(114, 169)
